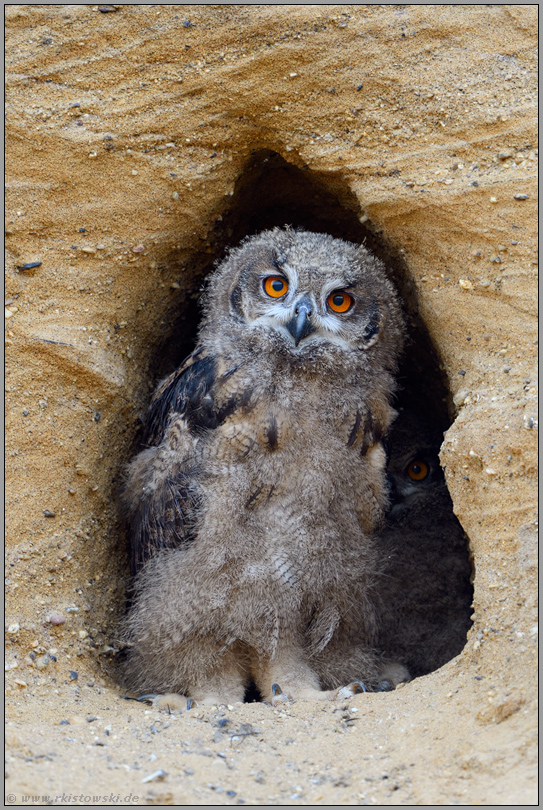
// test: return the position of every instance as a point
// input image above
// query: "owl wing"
(184, 392)
(161, 492)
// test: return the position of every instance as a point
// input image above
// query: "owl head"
(304, 295)
(414, 474)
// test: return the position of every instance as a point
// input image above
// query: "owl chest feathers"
(285, 466)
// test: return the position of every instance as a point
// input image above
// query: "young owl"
(424, 586)
(252, 510)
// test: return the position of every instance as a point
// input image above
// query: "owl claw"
(170, 702)
(278, 696)
(354, 688)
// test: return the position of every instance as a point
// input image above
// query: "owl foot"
(170, 702)
(278, 696)
(354, 688)
(392, 673)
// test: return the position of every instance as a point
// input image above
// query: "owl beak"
(300, 325)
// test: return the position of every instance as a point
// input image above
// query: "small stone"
(13, 628)
(529, 422)
(107, 9)
(504, 155)
(73, 675)
(8, 313)
(93, 154)
(175, 195)
(138, 249)
(175, 285)
(521, 196)
(83, 634)
(134, 172)
(56, 619)
(29, 266)
(49, 514)
(465, 284)
(459, 397)
(490, 471)
(21, 683)
(88, 250)
(25, 412)
(156, 776)
(42, 661)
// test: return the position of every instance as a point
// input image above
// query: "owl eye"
(340, 301)
(417, 470)
(275, 286)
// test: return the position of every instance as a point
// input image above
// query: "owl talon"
(278, 696)
(170, 702)
(354, 688)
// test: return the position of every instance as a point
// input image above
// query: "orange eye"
(340, 302)
(417, 470)
(275, 286)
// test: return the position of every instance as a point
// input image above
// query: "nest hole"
(425, 588)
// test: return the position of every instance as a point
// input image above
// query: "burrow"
(273, 192)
